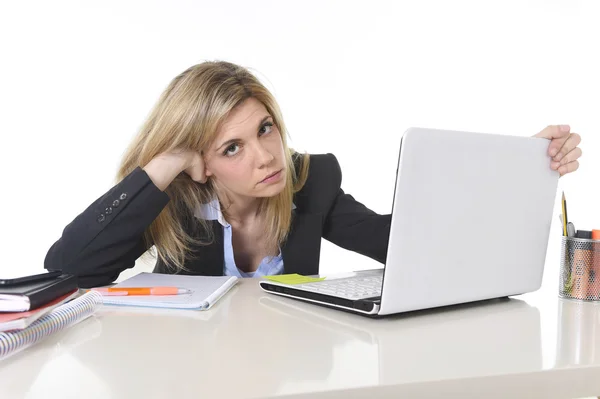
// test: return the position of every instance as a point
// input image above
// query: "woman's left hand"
(563, 148)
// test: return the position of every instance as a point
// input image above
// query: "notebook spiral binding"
(56, 320)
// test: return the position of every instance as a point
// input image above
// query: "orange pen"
(120, 291)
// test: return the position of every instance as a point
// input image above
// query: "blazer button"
(101, 218)
(108, 210)
(123, 196)
(116, 203)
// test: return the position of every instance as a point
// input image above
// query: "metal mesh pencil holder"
(580, 269)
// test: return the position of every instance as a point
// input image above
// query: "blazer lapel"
(302, 249)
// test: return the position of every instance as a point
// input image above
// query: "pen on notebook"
(141, 291)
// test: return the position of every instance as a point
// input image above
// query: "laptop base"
(367, 306)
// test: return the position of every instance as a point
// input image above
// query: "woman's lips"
(273, 177)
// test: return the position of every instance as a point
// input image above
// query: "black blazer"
(107, 237)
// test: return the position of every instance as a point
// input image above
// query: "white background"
(78, 78)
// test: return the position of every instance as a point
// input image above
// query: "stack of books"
(33, 310)
(22, 304)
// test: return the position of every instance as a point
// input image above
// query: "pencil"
(564, 210)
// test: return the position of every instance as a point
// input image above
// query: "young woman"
(211, 184)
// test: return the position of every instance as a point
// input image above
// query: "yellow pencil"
(564, 211)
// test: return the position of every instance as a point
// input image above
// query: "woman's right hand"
(195, 168)
(165, 167)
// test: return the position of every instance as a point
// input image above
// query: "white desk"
(254, 344)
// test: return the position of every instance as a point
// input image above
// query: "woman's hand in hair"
(195, 167)
(165, 167)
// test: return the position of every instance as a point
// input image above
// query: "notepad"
(205, 291)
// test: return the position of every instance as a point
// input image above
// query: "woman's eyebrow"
(231, 141)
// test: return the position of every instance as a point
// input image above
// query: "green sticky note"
(293, 279)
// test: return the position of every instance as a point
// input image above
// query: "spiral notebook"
(205, 291)
(56, 320)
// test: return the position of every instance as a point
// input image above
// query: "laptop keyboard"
(353, 288)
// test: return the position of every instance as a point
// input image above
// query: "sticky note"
(294, 279)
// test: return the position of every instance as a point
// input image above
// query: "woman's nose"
(263, 156)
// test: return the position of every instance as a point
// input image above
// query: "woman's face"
(246, 160)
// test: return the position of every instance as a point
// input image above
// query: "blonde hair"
(187, 116)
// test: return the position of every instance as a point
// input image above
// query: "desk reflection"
(21, 372)
(485, 338)
(578, 337)
(230, 351)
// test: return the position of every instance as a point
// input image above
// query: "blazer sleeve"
(108, 236)
(350, 224)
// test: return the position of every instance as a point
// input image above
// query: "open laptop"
(471, 219)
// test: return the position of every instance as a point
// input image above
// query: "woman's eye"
(232, 150)
(266, 128)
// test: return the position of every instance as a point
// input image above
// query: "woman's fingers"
(568, 146)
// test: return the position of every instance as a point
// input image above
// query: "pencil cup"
(580, 269)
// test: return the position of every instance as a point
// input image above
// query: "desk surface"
(253, 344)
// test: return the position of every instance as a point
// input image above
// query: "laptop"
(470, 221)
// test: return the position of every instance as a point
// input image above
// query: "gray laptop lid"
(471, 218)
